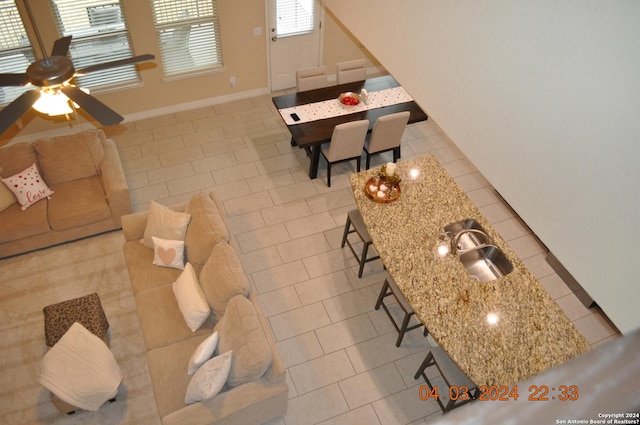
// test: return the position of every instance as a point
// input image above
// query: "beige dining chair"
(311, 78)
(346, 144)
(347, 72)
(386, 136)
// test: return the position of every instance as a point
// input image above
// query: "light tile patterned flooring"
(343, 365)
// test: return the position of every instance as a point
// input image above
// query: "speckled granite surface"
(532, 333)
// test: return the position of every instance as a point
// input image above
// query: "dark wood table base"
(311, 135)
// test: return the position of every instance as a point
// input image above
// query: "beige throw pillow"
(165, 223)
(223, 277)
(191, 300)
(240, 331)
(209, 379)
(206, 229)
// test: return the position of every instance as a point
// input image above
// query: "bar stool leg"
(403, 329)
(427, 362)
(446, 369)
(383, 293)
(387, 290)
(363, 258)
(354, 224)
(346, 231)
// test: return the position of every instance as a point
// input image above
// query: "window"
(294, 17)
(188, 34)
(16, 53)
(100, 34)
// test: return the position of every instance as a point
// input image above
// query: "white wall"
(544, 98)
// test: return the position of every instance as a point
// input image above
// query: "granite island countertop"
(532, 333)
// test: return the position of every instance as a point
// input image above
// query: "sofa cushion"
(7, 198)
(223, 277)
(206, 229)
(168, 253)
(209, 379)
(17, 224)
(28, 186)
(70, 157)
(165, 223)
(16, 157)
(168, 375)
(77, 203)
(162, 321)
(239, 331)
(191, 300)
(143, 274)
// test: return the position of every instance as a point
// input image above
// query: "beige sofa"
(90, 191)
(256, 390)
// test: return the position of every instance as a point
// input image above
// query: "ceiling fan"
(53, 76)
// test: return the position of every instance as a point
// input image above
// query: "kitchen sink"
(469, 234)
(482, 260)
(486, 263)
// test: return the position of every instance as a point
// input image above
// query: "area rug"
(32, 281)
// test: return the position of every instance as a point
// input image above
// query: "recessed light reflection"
(443, 249)
(492, 318)
(414, 173)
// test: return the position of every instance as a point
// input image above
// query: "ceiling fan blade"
(61, 46)
(113, 64)
(101, 112)
(13, 111)
(13, 79)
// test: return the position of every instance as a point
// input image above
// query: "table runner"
(333, 108)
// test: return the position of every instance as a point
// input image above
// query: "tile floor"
(343, 365)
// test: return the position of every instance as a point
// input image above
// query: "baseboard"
(181, 107)
(571, 282)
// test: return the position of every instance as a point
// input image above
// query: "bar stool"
(354, 219)
(452, 376)
(391, 288)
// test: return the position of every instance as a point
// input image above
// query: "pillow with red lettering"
(28, 186)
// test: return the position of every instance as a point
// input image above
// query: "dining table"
(312, 115)
(498, 332)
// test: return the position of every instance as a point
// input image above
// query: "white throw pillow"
(203, 353)
(168, 253)
(191, 300)
(28, 186)
(209, 379)
(165, 223)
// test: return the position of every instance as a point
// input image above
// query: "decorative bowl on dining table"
(349, 99)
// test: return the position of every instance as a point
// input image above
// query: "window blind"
(294, 17)
(188, 34)
(16, 52)
(100, 35)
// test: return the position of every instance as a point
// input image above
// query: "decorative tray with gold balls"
(385, 187)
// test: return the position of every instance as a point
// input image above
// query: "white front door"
(295, 33)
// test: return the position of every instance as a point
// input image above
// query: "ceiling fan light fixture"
(52, 102)
(55, 95)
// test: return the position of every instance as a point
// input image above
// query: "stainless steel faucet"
(456, 238)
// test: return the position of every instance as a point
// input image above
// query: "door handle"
(274, 38)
